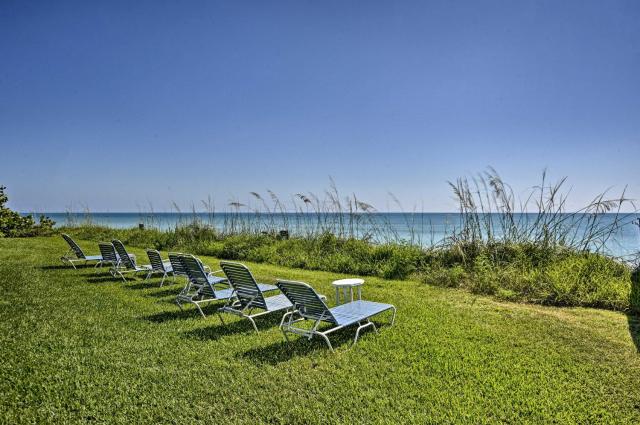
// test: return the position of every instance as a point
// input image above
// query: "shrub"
(451, 277)
(12, 224)
(589, 280)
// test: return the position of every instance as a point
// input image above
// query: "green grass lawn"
(81, 347)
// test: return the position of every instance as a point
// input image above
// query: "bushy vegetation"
(13, 225)
(524, 271)
(322, 252)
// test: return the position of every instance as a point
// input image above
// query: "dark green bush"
(13, 225)
(589, 280)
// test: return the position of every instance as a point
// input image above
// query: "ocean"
(423, 228)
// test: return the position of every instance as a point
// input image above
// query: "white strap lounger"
(308, 305)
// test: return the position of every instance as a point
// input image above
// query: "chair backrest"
(306, 300)
(197, 275)
(244, 285)
(156, 260)
(108, 252)
(125, 259)
(74, 246)
(176, 264)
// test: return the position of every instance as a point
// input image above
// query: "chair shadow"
(633, 317)
(232, 326)
(283, 351)
(131, 282)
(102, 278)
(297, 346)
(67, 267)
(146, 284)
(187, 312)
(176, 314)
(163, 293)
(215, 332)
(150, 284)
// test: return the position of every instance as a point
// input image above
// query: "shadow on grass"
(103, 278)
(283, 351)
(633, 317)
(68, 267)
(177, 314)
(131, 282)
(232, 326)
(188, 312)
(145, 284)
(164, 293)
(634, 329)
(151, 284)
(297, 346)
(215, 332)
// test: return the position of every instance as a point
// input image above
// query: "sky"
(122, 106)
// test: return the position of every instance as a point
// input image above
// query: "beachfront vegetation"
(13, 225)
(547, 256)
(509, 271)
(79, 346)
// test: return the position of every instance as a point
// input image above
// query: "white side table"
(347, 286)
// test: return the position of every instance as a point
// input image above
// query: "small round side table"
(347, 286)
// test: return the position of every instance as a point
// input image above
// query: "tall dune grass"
(528, 249)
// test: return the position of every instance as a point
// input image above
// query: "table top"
(348, 282)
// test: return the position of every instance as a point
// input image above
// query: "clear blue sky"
(117, 104)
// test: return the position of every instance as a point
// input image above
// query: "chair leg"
(253, 322)
(284, 317)
(326, 339)
(284, 332)
(200, 310)
(220, 317)
(164, 276)
(361, 327)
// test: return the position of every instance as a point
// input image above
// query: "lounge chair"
(176, 265)
(109, 256)
(309, 306)
(203, 287)
(158, 266)
(75, 253)
(127, 262)
(178, 268)
(248, 295)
